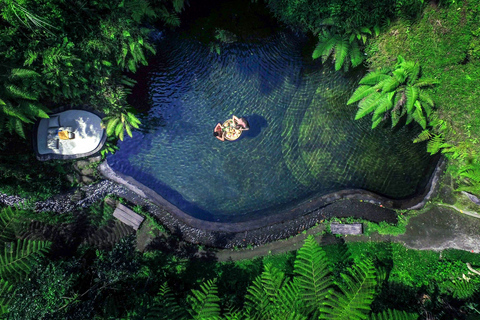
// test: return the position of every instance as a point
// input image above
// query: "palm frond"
(355, 294)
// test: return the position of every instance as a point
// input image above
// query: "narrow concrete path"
(438, 228)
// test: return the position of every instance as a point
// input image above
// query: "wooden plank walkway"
(127, 216)
(353, 228)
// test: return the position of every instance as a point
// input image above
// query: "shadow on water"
(257, 124)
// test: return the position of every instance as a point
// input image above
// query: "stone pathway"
(438, 228)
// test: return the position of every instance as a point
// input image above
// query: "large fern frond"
(462, 289)
(419, 116)
(412, 95)
(356, 55)
(368, 105)
(205, 302)
(356, 294)
(23, 73)
(435, 144)
(390, 314)
(17, 258)
(342, 48)
(264, 293)
(312, 273)
(7, 219)
(360, 93)
(166, 308)
(5, 295)
(374, 77)
(423, 136)
(325, 46)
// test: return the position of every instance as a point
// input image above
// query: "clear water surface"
(303, 141)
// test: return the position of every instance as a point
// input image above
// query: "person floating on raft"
(230, 129)
(218, 132)
(241, 123)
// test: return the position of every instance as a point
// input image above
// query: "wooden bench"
(128, 216)
(353, 228)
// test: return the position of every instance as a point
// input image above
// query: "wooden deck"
(353, 228)
(127, 216)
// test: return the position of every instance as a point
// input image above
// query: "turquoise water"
(303, 141)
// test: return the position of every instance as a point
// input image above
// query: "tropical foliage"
(312, 293)
(344, 49)
(17, 255)
(119, 123)
(394, 93)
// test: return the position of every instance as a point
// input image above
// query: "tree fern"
(165, 308)
(17, 258)
(463, 289)
(355, 294)
(205, 302)
(393, 315)
(312, 273)
(262, 296)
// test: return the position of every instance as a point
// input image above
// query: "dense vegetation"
(103, 278)
(424, 60)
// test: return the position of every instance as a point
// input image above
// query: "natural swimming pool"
(303, 142)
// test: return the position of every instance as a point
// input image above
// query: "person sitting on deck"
(241, 123)
(218, 132)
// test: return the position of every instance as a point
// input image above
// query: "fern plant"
(272, 296)
(313, 275)
(394, 93)
(355, 294)
(17, 255)
(393, 315)
(119, 123)
(343, 49)
(18, 103)
(205, 302)
(166, 308)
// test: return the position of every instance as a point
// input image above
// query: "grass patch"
(446, 43)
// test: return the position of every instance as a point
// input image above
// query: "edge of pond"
(313, 209)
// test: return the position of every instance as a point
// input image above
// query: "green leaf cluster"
(17, 256)
(394, 93)
(119, 123)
